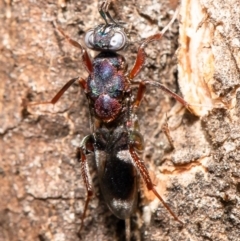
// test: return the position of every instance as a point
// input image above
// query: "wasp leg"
(171, 93)
(139, 63)
(146, 177)
(141, 55)
(85, 56)
(127, 229)
(88, 65)
(55, 99)
(86, 146)
(140, 94)
(166, 131)
(142, 88)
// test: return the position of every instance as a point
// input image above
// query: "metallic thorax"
(106, 85)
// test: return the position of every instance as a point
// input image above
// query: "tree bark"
(41, 190)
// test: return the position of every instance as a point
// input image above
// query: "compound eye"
(89, 39)
(118, 41)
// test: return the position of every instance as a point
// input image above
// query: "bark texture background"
(41, 190)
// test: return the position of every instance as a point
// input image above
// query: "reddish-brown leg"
(87, 144)
(55, 99)
(87, 62)
(169, 92)
(146, 177)
(138, 65)
(142, 88)
(85, 56)
(141, 56)
(140, 94)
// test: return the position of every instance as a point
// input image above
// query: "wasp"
(115, 138)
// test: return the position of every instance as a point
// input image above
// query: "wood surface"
(41, 190)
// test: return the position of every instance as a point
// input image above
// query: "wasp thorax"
(107, 108)
(106, 85)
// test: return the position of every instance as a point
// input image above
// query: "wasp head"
(109, 37)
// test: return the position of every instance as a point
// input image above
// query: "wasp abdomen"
(119, 185)
(116, 171)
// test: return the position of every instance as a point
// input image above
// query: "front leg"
(85, 56)
(141, 56)
(139, 63)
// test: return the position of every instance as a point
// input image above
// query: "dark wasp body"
(115, 140)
